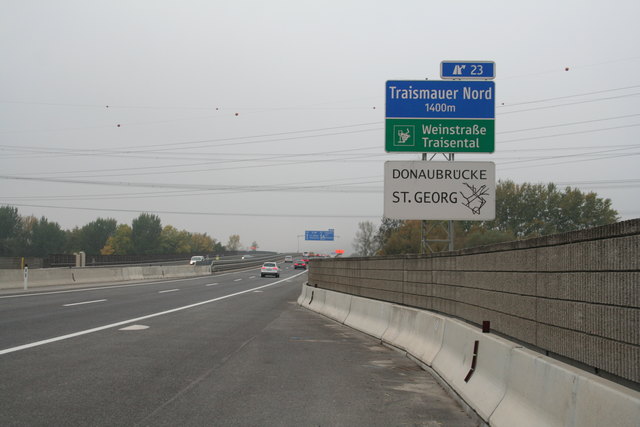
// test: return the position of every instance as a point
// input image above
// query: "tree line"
(522, 211)
(32, 237)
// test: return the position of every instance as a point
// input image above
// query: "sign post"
(26, 277)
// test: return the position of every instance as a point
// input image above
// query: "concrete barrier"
(545, 392)
(603, 403)
(369, 316)
(95, 275)
(304, 296)
(14, 279)
(417, 332)
(487, 383)
(177, 271)
(316, 299)
(336, 306)
(509, 385)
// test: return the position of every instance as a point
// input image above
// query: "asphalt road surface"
(232, 349)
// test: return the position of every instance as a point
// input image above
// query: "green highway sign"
(440, 135)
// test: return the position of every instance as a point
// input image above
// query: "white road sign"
(463, 191)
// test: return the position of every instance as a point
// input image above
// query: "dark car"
(300, 264)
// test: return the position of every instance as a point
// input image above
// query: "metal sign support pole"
(426, 244)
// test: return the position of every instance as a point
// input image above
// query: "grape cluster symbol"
(475, 201)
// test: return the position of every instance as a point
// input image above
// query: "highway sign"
(319, 235)
(468, 70)
(440, 116)
(440, 190)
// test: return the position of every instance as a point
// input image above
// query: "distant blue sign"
(468, 70)
(440, 99)
(319, 235)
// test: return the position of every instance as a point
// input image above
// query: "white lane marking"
(168, 290)
(237, 280)
(85, 302)
(252, 277)
(134, 328)
(212, 284)
(137, 319)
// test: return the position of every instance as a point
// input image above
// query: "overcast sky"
(266, 118)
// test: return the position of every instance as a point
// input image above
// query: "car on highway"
(299, 264)
(288, 258)
(269, 269)
(195, 259)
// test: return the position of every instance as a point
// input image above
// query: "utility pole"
(299, 236)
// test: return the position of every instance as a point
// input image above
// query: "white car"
(269, 269)
(195, 259)
(288, 258)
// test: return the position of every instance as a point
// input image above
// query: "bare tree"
(234, 243)
(365, 242)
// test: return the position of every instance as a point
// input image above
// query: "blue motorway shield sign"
(483, 70)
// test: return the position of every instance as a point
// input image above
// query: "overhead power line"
(297, 107)
(281, 160)
(573, 161)
(570, 103)
(231, 214)
(567, 96)
(571, 133)
(583, 122)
